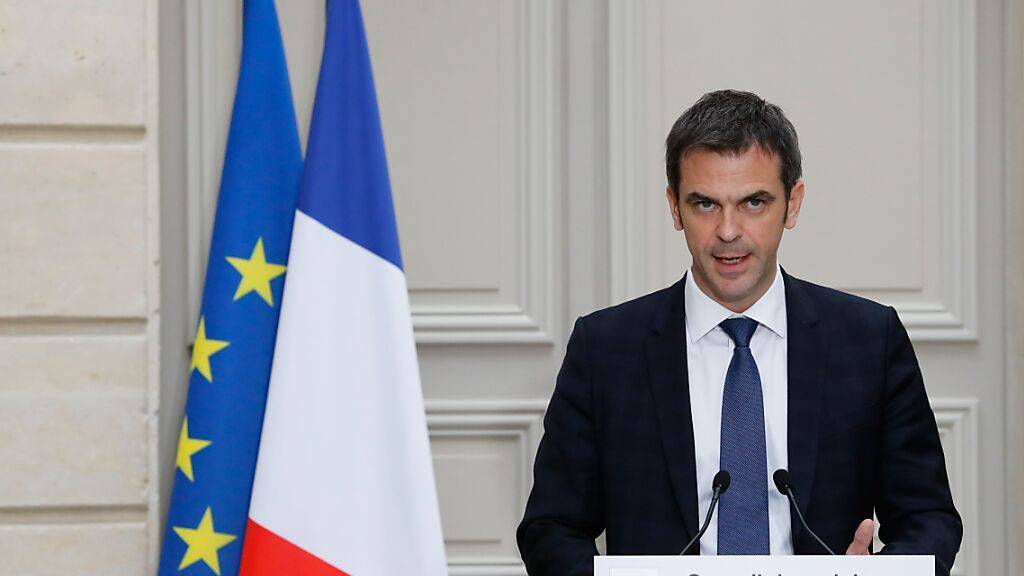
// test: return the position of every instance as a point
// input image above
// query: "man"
(738, 367)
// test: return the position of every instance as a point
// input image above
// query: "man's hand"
(862, 539)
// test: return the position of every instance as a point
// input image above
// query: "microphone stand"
(784, 485)
(721, 485)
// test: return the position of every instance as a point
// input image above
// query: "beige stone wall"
(79, 286)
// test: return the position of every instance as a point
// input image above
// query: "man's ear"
(796, 198)
(673, 207)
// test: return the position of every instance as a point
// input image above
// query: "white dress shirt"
(708, 353)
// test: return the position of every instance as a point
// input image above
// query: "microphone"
(785, 486)
(718, 486)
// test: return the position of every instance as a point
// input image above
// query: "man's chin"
(731, 291)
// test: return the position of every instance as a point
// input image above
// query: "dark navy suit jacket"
(618, 452)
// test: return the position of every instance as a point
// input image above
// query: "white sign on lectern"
(764, 566)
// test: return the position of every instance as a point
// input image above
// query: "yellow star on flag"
(203, 543)
(186, 448)
(256, 274)
(202, 349)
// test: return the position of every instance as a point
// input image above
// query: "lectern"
(764, 566)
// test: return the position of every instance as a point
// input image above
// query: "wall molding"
(212, 45)
(519, 419)
(483, 570)
(954, 316)
(213, 33)
(488, 325)
(530, 320)
(957, 419)
(635, 163)
(634, 61)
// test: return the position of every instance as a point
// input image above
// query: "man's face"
(732, 210)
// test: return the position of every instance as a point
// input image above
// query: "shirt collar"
(703, 313)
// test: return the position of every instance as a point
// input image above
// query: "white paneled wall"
(884, 106)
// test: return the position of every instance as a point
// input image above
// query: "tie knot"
(740, 330)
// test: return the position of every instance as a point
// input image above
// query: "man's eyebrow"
(759, 195)
(698, 197)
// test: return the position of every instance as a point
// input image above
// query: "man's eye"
(705, 205)
(755, 202)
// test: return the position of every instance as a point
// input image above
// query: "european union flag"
(234, 342)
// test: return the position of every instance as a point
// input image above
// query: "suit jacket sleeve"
(564, 513)
(913, 503)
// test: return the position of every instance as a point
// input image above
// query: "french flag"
(344, 482)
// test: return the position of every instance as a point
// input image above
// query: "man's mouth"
(730, 259)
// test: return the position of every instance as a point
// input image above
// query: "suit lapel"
(665, 349)
(807, 353)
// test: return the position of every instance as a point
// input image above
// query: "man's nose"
(728, 227)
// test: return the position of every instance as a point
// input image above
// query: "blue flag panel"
(345, 184)
(234, 343)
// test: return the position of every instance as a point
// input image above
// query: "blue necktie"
(743, 510)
